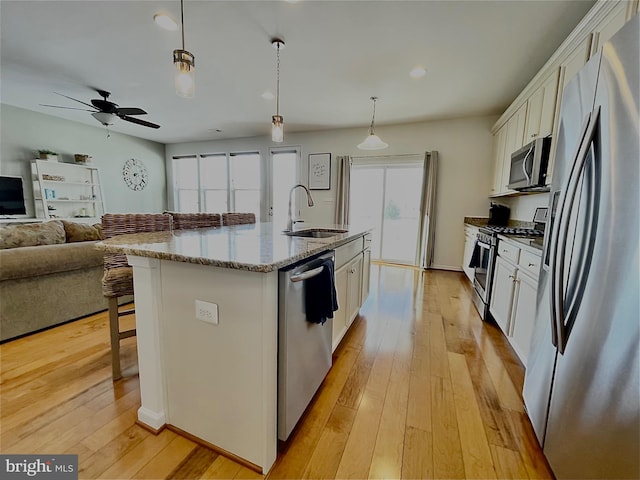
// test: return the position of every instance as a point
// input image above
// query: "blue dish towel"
(320, 295)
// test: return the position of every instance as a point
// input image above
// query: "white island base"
(216, 382)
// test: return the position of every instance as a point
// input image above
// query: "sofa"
(50, 273)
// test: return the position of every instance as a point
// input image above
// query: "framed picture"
(320, 171)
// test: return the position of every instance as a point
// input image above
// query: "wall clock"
(134, 174)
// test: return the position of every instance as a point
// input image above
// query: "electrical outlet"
(207, 312)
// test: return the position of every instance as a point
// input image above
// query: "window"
(218, 183)
(284, 175)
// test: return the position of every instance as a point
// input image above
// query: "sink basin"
(315, 233)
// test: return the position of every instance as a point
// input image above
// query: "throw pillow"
(32, 234)
(81, 232)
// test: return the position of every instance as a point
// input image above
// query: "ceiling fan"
(107, 112)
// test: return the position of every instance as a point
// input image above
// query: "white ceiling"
(479, 55)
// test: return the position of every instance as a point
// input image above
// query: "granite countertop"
(255, 247)
(484, 221)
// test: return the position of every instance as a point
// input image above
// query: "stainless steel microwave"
(529, 166)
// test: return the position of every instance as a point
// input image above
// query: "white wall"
(465, 150)
(524, 206)
(24, 131)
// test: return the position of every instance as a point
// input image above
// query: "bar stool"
(117, 280)
(232, 218)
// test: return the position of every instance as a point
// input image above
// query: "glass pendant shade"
(277, 128)
(372, 142)
(184, 63)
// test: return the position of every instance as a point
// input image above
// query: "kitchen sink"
(315, 233)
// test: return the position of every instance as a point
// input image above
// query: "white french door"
(386, 194)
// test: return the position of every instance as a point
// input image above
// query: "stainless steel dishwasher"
(304, 348)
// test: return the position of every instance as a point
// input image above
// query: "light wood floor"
(420, 388)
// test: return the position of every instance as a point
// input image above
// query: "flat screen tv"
(11, 196)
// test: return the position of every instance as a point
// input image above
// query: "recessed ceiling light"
(165, 21)
(268, 95)
(418, 72)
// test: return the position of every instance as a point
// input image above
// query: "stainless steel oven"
(484, 261)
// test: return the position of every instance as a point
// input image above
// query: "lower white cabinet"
(366, 274)
(514, 293)
(349, 279)
(523, 315)
(504, 275)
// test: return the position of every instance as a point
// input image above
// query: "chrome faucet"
(290, 221)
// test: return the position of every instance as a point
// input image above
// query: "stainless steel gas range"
(483, 261)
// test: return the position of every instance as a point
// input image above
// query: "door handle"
(524, 165)
(554, 297)
(301, 277)
(566, 308)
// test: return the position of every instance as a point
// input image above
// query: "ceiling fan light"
(185, 73)
(277, 128)
(372, 142)
(163, 20)
(105, 118)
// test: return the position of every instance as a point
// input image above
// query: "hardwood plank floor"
(420, 388)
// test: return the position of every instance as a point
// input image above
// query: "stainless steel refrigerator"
(582, 389)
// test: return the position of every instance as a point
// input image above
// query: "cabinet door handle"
(532, 264)
(512, 277)
(533, 135)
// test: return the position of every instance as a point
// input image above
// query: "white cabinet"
(541, 109)
(507, 140)
(349, 278)
(503, 287)
(499, 142)
(340, 315)
(366, 274)
(354, 288)
(514, 293)
(67, 191)
(569, 67)
(523, 315)
(470, 236)
(609, 26)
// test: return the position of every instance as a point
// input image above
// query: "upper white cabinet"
(67, 191)
(610, 25)
(499, 143)
(541, 109)
(569, 67)
(542, 98)
(508, 139)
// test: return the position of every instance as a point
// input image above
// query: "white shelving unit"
(67, 191)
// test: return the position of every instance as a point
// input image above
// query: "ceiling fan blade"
(130, 111)
(74, 99)
(138, 121)
(67, 108)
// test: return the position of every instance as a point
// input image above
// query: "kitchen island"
(215, 377)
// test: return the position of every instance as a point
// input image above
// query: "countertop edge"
(250, 267)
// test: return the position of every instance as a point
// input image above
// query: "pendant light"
(185, 64)
(373, 142)
(277, 122)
